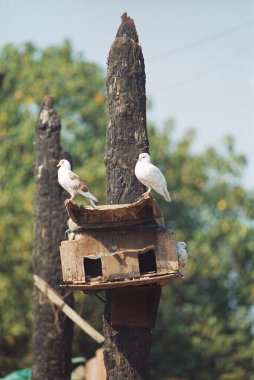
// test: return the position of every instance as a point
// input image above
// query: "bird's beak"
(58, 165)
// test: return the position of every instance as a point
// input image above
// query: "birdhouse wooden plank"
(135, 307)
(117, 246)
(72, 265)
(65, 257)
(144, 210)
(166, 260)
(121, 266)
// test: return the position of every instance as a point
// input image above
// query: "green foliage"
(205, 324)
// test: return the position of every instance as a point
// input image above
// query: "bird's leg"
(67, 201)
(147, 193)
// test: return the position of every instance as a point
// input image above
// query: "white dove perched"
(182, 254)
(72, 183)
(151, 176)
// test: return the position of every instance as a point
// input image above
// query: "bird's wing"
(75, 183)
(155, 177)
(182, 254)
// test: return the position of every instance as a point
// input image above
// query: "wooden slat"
(73, 261)
(105, 243)
(99, 286)
(80, 270)
(72, 267)
(120, 266)
(173, 261)
(64, 253)
(166, 258)
(53, 296)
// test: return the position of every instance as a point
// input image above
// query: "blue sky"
(199, 56)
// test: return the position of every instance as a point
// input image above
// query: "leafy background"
(205, 323)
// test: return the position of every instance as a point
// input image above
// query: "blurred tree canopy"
(205, 324)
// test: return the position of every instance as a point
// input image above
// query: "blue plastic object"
(23, 374)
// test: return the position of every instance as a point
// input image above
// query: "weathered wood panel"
(143, 210)
(65, 261)
(120, 266)
(96, 286)
(80, 269)
(72, 266)
(135, 307)
(166, 245)
(102, 243)
(120, 253)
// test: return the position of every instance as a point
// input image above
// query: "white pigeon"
(72, 183)
(182, 254)
(151, 176)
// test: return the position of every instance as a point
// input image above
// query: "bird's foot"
(146, 194)
(68, 201)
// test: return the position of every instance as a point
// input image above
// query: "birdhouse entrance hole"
(147, 262)
(92, 267)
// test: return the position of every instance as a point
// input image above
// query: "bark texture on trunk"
(52, 330)
(126, 133)
(126, 350)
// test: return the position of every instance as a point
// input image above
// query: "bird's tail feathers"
(88, 195)
(92, 203)
(167, 196)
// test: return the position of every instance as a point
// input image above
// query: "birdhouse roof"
(145, 210)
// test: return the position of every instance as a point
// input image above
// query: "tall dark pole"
(52, 330)
(126, 350)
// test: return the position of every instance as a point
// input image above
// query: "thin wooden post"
(52, 330)
(57, 300)
(126, 349)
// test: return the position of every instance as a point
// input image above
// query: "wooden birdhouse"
(115, 246)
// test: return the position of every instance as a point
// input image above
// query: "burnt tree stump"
(126, 133)
(126, 349)
(52, 330)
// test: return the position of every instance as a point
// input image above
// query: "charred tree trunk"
(52, 330)
(126, 132)
(126, 350)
